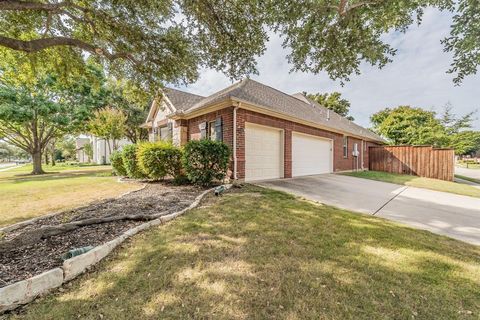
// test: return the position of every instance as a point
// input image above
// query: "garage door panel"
(263, 153)
(310, 155)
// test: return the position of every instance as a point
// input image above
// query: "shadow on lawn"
(50, 176)
(258, 253)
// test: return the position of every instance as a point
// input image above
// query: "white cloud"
(416, 77)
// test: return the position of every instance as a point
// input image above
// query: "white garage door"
(310, 155)
(263, 152)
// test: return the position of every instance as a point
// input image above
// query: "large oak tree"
(149, 42)
(153, 42)
(405, 125)
(36, 106)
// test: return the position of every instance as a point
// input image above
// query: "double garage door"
(264, 153)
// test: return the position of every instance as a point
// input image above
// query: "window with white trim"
(211, 130)
(345, 146)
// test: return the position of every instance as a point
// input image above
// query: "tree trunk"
(52, 151)
(46, 158)
(37, 162)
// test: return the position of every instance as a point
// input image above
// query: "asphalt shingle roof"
(182, 100)
(297, 106)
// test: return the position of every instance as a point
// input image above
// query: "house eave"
(234, 101)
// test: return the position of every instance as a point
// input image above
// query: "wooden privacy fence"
(423, 161)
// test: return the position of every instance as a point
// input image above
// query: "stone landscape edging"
(25, 291)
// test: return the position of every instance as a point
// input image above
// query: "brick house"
(272, 134)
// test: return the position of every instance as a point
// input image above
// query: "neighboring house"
(101, 149)
(272, 134)
(82, 156)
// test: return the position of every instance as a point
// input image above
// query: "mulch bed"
(26, 261)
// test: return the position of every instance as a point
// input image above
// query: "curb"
(25, 291)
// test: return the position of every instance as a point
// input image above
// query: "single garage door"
(263, 152)
(310, 155)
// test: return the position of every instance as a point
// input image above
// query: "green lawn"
(468, 178)
(262, 254)
(469, 166)
(24, 196)
(419, 182)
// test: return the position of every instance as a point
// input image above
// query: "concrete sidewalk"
(448, 214)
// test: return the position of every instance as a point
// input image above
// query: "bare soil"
(25, 261)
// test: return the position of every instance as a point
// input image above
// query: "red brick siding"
(339, 162)
(227, 122)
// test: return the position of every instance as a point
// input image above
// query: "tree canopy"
(134, 103)
(416, 126)
(464, 40)
(466, 142)
(149, 42)
(334, 102)
(36, 106)
(108, 123)
(154, 42)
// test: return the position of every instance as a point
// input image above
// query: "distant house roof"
(296, 106)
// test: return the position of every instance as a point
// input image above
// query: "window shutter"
(203, 130)
(218, 129)
(170, 130)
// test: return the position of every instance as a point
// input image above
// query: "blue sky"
(416, 77)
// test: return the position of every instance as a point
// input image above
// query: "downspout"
(235, 142)
(363, 148)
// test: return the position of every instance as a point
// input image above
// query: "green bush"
(159, 159)
(205, 161)
(130, 162)
(116, 161)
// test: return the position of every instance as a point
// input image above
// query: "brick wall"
(339, 162)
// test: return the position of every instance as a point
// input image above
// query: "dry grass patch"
(24, 196)
(272, 256)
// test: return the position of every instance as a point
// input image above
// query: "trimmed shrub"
(205, 161)
(159, 159)
(130, 162)
(117, 164)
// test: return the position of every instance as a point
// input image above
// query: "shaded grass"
(468, 178)
(262, 254)
(24, 196)
(419, 182)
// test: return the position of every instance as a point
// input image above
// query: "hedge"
(130, 162)
(117, 164)
(159, 159)
(205, 161)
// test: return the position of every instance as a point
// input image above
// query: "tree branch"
(9, 130)
(360, 4)
(26, 5)
(36, 45)
(14, 140)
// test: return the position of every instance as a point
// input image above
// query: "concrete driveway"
(439, 212)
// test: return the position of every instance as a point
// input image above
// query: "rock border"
(25, 291)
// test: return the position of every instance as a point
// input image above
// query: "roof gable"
(181, 100)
